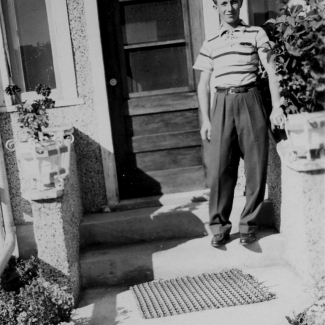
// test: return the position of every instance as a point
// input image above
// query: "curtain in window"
(29, 43)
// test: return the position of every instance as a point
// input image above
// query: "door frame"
(101, 104)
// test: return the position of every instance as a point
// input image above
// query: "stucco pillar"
(56, 228)
(303, 222)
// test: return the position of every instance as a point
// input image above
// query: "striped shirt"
(232, 57)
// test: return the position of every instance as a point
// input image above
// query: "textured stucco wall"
(303, 222)
(56, 229)
(274, 183)
(82, 117)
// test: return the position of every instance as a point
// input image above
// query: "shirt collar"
(241, 27)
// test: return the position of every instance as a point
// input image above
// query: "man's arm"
(277, 111)
(204, 103)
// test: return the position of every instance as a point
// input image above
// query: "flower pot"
(46, 162)
(305, 148)
(306, 133)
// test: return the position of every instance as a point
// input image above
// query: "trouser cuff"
(244, 229)
(220, 229)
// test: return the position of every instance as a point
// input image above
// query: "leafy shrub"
(298, 51)
(31, 292)
(33, 117)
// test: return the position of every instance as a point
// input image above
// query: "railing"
(7, 227)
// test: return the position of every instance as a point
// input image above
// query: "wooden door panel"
(167, 181)
(165, 141)
(161, 103)
(177, 158)
(162, 122)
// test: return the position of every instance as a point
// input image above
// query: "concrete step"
(116, 305)
(182, 219)
(104, 265)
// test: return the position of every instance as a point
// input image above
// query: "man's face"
(229, 10)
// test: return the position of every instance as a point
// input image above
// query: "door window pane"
(262, 10)
(29, 43)
(152, 21)
(156, 68)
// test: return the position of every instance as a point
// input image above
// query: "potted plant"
(45, 152)
(298, 51)
(33, 117)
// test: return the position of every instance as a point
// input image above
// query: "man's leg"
(253, 141)
(223, 164)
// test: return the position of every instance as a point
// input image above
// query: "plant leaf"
(280, 19)
(292, 50)
(295, 10)
(289, 31)
(291, 21)
(270, 21)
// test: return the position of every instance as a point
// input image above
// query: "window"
(156, 46)
(37, 49)
(262, 10)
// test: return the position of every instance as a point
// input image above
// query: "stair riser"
(143, 229)
(145, 225)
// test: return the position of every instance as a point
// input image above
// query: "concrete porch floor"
(116, 305)
(112, 305)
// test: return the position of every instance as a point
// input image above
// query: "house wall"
(82, 117)
(94, 155)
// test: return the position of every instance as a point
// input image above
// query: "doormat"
(161, 298)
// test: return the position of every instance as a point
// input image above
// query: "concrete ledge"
(51, 193)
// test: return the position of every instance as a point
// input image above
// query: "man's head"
(229, 10)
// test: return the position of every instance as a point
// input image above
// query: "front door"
(148, 55)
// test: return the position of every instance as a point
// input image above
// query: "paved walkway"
(190, 256)
(116, 305)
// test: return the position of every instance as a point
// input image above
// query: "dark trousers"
(239, 129)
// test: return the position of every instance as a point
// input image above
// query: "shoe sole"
(245, 244)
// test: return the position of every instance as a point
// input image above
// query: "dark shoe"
(246, 239)
(219, 239)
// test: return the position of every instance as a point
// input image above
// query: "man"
(236, 124)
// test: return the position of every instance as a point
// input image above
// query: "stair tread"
(104, 265)
(162, 244)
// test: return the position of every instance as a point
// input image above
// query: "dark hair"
(215, 1)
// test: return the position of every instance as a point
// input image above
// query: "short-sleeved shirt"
(232, 57)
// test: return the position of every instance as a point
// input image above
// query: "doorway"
(148, 49)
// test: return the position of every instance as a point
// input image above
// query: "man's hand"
(206, 131)
(277, 118)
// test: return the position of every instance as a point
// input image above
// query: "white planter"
(305, 148)
(46, 163)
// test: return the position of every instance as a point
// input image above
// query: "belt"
(235, 90)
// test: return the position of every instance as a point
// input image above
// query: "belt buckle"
(231, 91)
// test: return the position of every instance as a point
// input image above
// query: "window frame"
(66, 92)
(187, 41)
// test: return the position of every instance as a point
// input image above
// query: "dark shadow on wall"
(90, 172)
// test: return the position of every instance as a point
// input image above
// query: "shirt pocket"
(245, 52)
